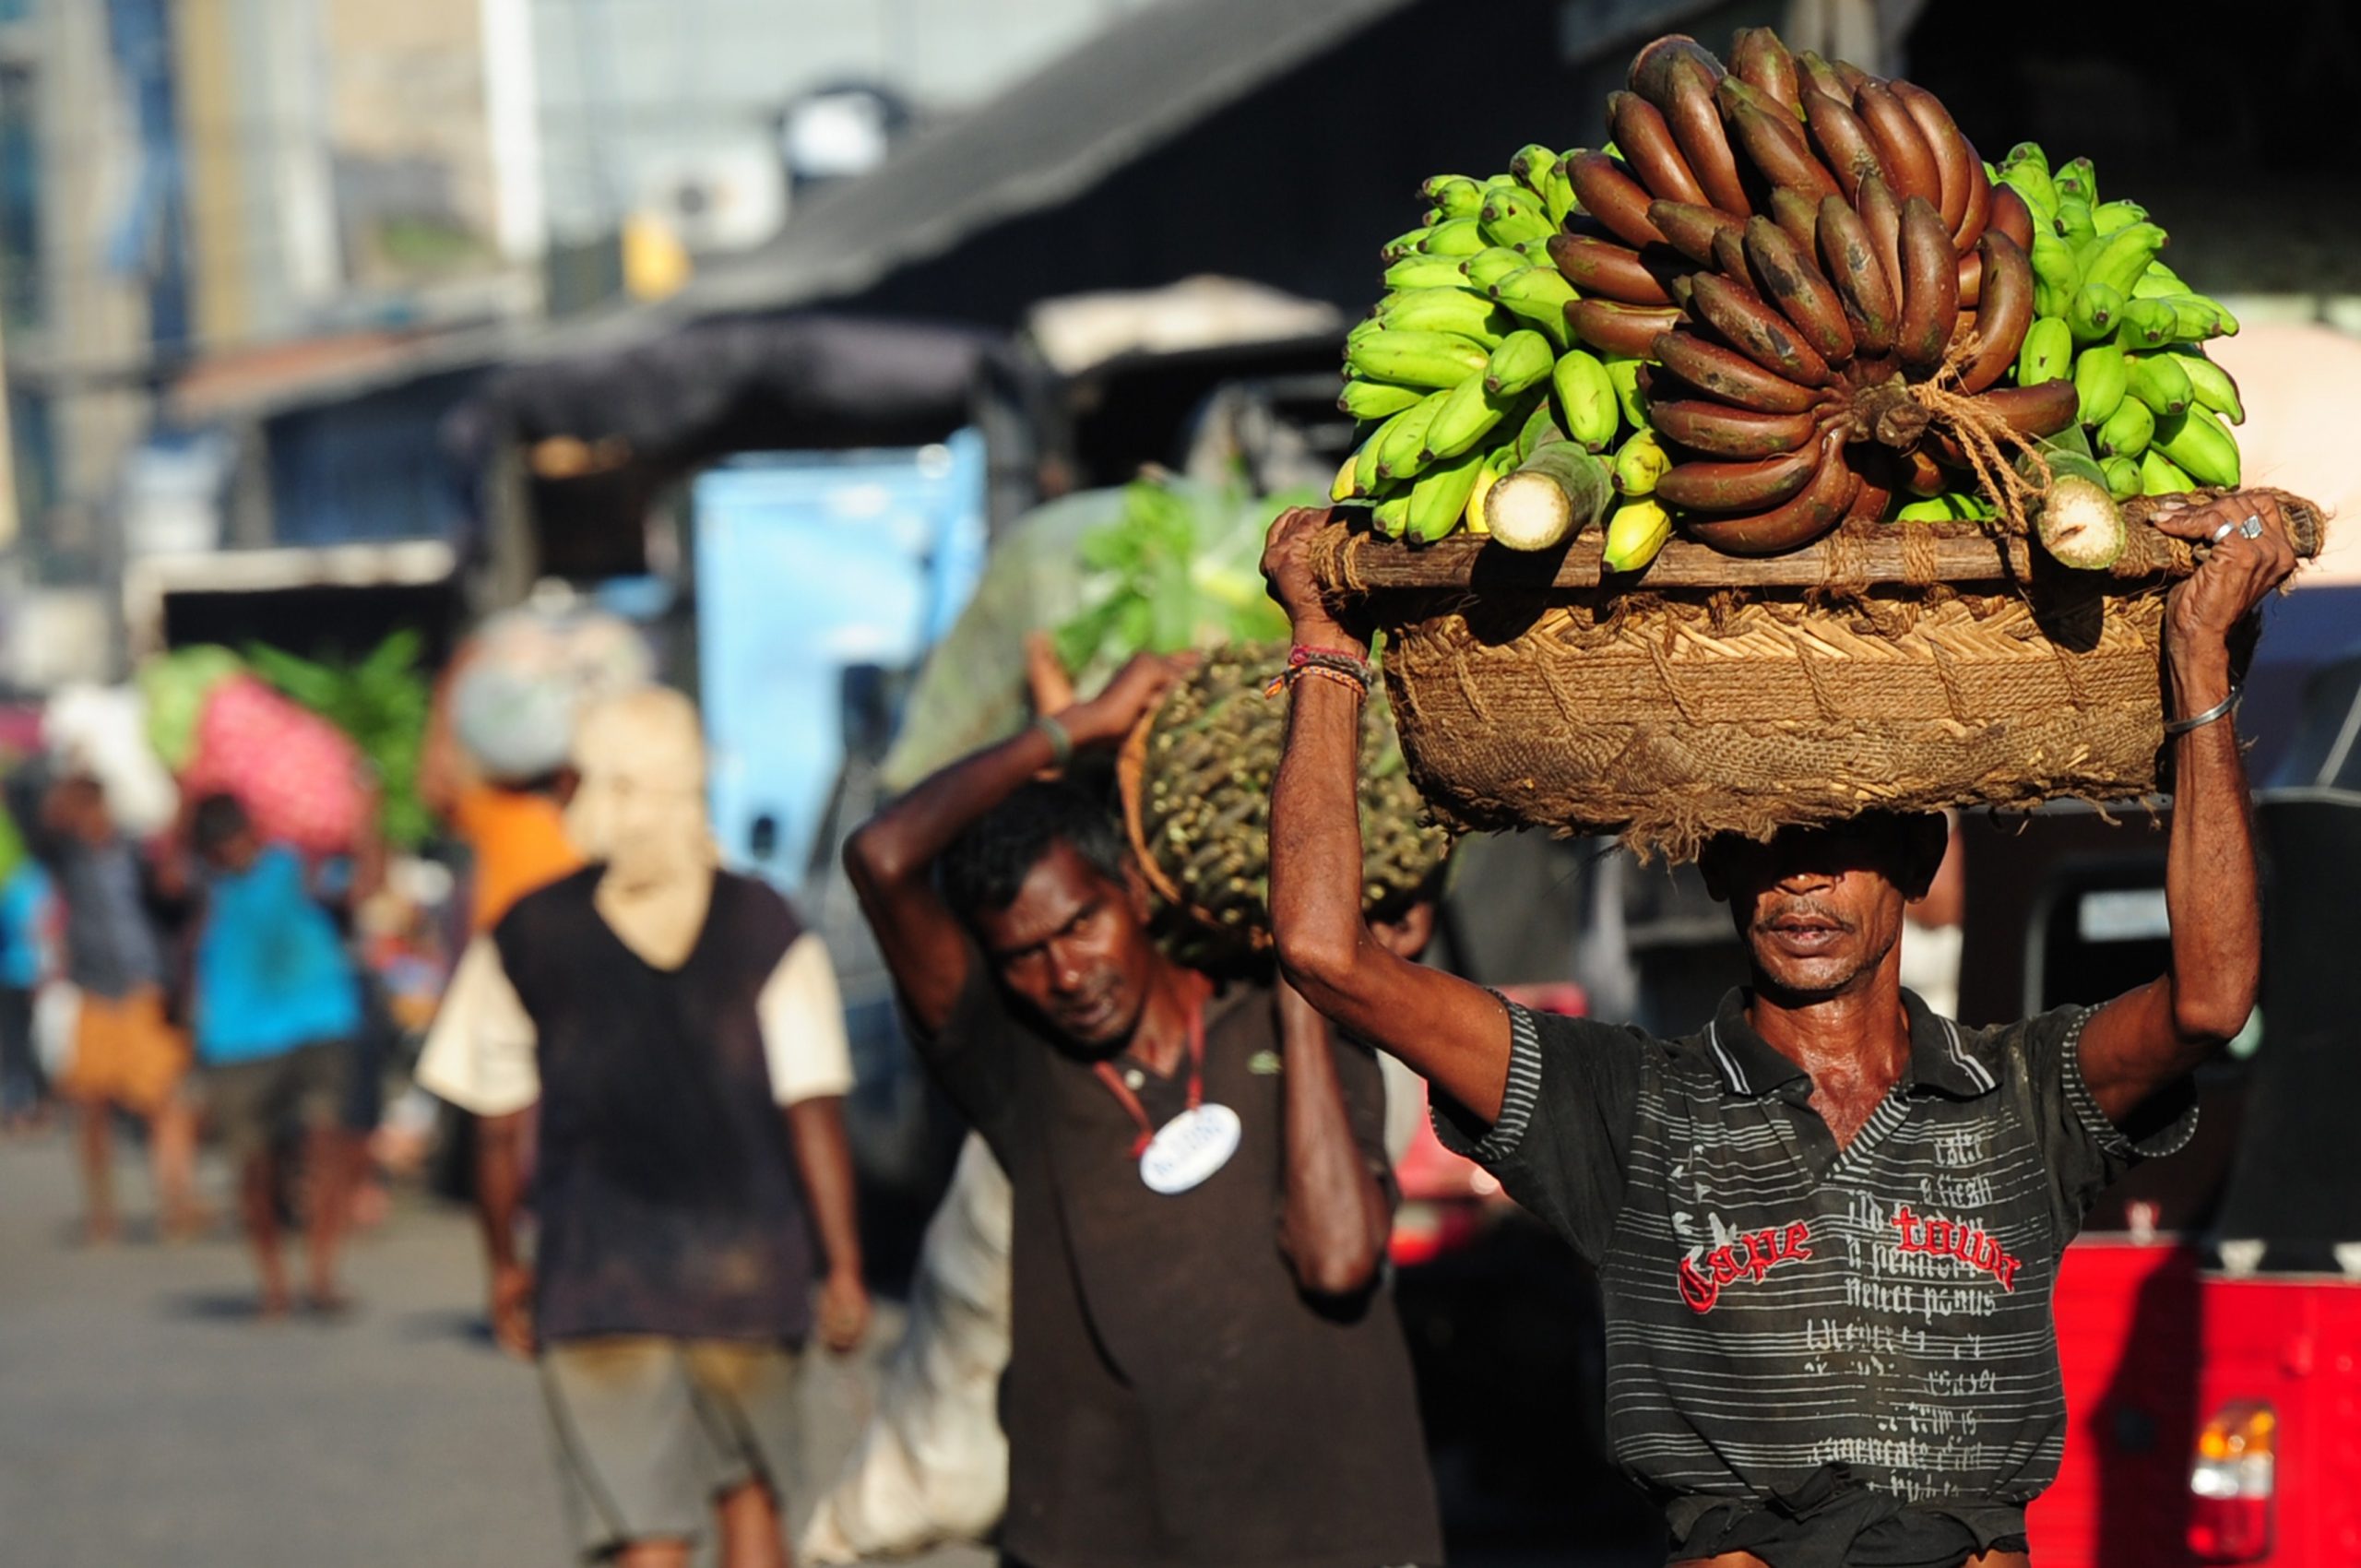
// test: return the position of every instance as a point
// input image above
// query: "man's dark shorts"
(250, 1101)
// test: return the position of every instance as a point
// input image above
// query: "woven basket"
(1897, 667)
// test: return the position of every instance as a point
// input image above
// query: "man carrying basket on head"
(1828, 1224)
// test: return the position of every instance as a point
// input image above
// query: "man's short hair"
(985, 866)
(217, 820)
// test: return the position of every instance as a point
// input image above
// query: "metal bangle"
(2222, 709)
(1061, 740)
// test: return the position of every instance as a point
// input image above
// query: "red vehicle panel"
(2128, 1338)
(2290, 1343)
(2152, 1351)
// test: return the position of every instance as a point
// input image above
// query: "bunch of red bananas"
(1830, 285)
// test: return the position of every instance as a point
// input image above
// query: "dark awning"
(752, 383)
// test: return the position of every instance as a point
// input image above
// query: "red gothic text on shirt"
(1749, 1257)
(1971, 1244)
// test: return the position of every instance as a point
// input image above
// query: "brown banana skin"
(1729, 256)
(1909, 163)
(1763, 63)
(1620, 329)
(1697, 128)
(1868, 503)
(1930, 286)
(1738, 487)
(1718, 431)
(2012, 216)
(1971, 280)
(1780, 159)
(1690, 227)
(1926, 476)
(1604, 268)
(1650, 67)
(1843, 142)
(1820, 76)
(1731, 377)
(1852, 265)
(1978, 215)
(1952, 154)
(1814, 510)
(1798, 216)
(1734, 90)
(1791, 282)
(1756, 330)
(1640, 133)
(1881, 215)
(2033, 410)
(1608, 193)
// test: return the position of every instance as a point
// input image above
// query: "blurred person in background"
(513, 829)
(127, 1055)
(681, 1037)
(28, 957)
(1934, 930)
(513, 826)
(1205, 1367)
(276, 1009)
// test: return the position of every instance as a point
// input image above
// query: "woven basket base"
(1672, 721)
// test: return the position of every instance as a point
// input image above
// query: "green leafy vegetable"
(1178, 568)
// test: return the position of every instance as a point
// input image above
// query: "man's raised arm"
(1455, 1034)
(2141, 1042)
(891, 857)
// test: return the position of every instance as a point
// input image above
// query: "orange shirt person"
(514, 831)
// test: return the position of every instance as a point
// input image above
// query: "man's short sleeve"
(1563, 1139)
(479, 1054)
(2084, 1151)
(974, 1056)
(803, 1026)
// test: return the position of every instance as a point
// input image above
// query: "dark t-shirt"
(1844, 1354)
(665, 1187)
(1172, 1397)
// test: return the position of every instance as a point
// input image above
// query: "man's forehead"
(1060, 885)
(1857, 842)
(667, 771)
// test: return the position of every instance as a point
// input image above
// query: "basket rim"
(1351, 560)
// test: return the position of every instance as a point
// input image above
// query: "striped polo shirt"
(1805, 1342)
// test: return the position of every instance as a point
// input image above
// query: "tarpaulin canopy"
(735, 385)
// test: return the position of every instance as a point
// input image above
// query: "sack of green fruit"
(1699, 471)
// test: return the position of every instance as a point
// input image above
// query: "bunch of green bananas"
(1466, 372)
(2126, 331)
(1635, 334)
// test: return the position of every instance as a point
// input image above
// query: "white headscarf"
(640, 806)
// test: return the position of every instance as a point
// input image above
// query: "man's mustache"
(1770, 915)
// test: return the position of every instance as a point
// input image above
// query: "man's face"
(644, 814)
(1818, 910)
(1073, 946)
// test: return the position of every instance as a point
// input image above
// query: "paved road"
(146, 1417)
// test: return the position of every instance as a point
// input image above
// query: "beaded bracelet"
(1322, 671)
(1330, 663)
(1339, 660)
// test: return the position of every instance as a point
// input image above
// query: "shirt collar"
(1940, 1058)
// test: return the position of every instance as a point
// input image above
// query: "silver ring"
(2252, 526)
(2225, 531)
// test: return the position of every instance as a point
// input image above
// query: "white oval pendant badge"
(1190, 1148)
